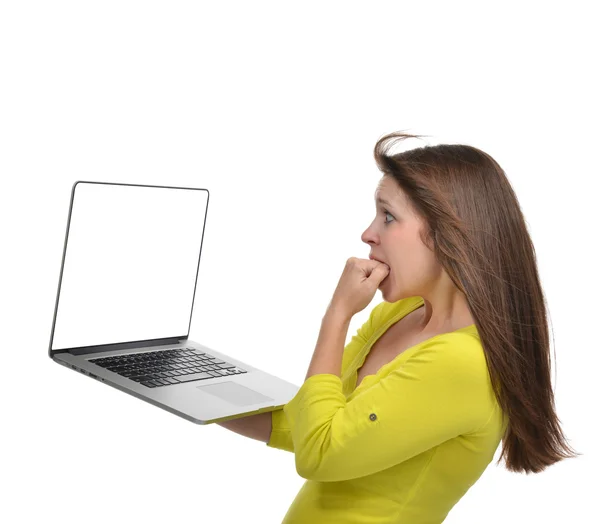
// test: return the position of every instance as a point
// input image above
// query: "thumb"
(380, 272)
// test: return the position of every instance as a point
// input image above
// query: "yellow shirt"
(405, 445)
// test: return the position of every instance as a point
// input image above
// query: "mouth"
(385, 279)
(373, 258)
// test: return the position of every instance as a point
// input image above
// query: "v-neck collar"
(406, 306)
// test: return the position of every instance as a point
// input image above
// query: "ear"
(428, 239)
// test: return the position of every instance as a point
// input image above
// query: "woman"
(397, 425)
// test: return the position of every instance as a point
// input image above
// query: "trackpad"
(234, 393)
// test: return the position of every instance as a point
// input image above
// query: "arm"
(257, 427)
(273, 427)
(281, 434)
(281, 431)
(437, 394)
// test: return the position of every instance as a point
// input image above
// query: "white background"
(275, 108)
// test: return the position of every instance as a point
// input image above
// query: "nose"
(367, 236)
(370, 236)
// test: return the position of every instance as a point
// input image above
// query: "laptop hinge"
(127, 345)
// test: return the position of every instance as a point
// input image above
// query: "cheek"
(425, 269)
(413, 264)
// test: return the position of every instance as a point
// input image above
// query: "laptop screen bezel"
(132, 344)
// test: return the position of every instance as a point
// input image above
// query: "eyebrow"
(382, 201)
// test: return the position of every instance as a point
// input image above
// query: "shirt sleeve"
(438, 393)
(281, 436)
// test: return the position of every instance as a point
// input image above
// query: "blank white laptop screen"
(130, 264)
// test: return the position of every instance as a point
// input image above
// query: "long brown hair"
(477, 231)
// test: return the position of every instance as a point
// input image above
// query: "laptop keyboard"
(167, 367)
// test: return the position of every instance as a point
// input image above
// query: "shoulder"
(462, 360)
(460, 346)
(459, 355)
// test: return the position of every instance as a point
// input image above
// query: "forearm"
(327, 357)
(257, 427)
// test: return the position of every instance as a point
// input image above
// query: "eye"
(387, 213)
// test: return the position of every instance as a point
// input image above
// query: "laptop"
(125, 299)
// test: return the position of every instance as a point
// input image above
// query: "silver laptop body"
(125, 294)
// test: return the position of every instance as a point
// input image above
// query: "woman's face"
(394, 239)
